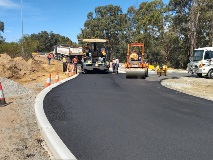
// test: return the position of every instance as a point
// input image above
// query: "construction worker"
(116, 65)
(49, 58)
(102, 53)
(64, 60)
(87, 50)
(75, 62)
(113, 65)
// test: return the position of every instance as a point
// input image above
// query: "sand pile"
(10, 67)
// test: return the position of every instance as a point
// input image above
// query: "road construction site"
(20, 136)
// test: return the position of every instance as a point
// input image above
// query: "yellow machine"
(96, 56)
(151, 67)
(162, 69)
(135, 65)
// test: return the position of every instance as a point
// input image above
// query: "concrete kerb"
(53, 141)
(153, 72)
(177, 71)
(123, 71)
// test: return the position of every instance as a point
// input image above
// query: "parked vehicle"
(65, 50)
(201, 62)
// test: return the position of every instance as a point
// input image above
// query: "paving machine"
(96, 55)
(135, 65)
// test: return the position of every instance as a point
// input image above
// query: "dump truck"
(201, 62)
(136, 66)
(96, 55)
(65, 50)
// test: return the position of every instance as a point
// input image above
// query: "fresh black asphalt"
(109, 117)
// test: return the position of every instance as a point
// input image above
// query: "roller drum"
(136, 73)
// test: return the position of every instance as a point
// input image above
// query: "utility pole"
(22, 29)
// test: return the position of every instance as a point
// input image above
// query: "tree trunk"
(211, 32)
(193, 26)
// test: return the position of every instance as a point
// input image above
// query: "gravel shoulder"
(199, 87)
(20, 136)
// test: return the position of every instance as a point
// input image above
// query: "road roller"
(135, 65)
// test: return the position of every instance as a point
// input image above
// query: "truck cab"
(201, 62)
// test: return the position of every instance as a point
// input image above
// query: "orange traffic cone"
(67, 72)
(48, 81)
(72, 70)
(2, 99)
(56, 77)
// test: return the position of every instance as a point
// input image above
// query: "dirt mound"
(31, 71)
(15, 67)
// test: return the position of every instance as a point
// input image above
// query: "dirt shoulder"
(20, 136)
(199, 87)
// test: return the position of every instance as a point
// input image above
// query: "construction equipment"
(96, 55)
(65, 50)
(136, 66)
(162, 69)
(201, 62)
(151, 67)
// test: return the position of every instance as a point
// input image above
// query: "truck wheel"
(85, 71)
(210, 74)
(166, 72)
(147, 72)
(199, 75)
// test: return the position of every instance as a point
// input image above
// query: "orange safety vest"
(48, 56)
(75, 60)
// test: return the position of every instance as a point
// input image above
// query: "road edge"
(53, 141)
(163, 83)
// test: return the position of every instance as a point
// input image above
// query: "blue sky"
(64, 17)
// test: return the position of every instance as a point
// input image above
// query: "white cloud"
(8, 4)
(7, 31)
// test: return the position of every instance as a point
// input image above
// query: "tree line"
(170, 32)
(2, 30)
(41, 42)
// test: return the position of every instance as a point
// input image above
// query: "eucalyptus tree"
(30, 45)
(204, 15)
(107, 22)
(149, 28)
(180, 11)
(46, 41)
(201, 24)
(192, 20)
(1, 26)
(131, 31)
(1, 29)
(13, 49)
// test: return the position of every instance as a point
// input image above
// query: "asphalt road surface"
(109, 117)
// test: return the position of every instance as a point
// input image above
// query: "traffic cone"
(56, 77)
(67, 72)
(2, 99)
(48, 81)
(72, 71)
